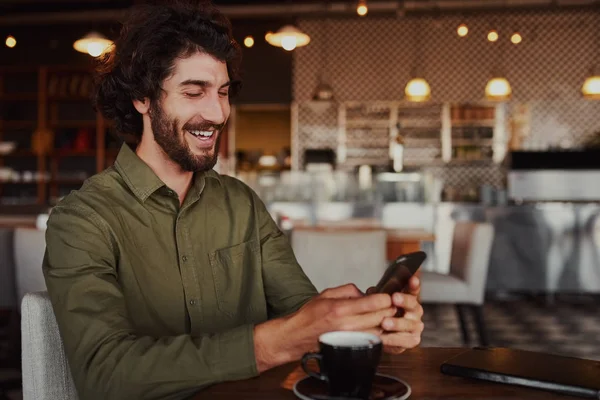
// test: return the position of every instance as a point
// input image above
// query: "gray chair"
(46, 373)
(465, 285)
(29, 249)
(335, 258)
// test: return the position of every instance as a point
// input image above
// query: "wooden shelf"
(69, 97)
(20, 153)
(18, 97)
(32, 182)
(475, 123)
(44, 106)
(73, 124)
(17, 124)
(85, 153)
(67, 181)
(472, 142)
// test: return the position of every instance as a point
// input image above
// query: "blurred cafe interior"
(369, 129)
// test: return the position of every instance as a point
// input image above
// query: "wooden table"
(399, 241)
(419, 367)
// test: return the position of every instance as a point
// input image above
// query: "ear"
(142, 106)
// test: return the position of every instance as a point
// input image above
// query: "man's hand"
(344, 308)
(399, 334)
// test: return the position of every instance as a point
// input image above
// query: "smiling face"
(188, 120)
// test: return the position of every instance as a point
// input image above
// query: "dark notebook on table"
(567, 375)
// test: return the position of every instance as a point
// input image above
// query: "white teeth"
(202, 133)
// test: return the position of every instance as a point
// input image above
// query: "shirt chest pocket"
(237, 276)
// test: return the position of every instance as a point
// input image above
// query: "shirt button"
(184, 258)
(192, 302)
(170, 192)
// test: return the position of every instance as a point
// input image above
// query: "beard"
(166, 134)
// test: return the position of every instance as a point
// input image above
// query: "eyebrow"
(203, 84)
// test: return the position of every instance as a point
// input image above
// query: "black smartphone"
(398, 273)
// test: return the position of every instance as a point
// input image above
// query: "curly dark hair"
(152, 37)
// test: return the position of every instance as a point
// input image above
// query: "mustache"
(203, 126)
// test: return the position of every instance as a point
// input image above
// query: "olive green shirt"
(155, 300)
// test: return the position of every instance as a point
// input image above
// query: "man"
(166, 277)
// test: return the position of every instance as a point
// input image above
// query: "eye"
(224, 94)
(193, 94)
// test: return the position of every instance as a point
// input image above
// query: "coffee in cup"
(347, 362)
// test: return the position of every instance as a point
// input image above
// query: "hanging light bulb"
(417, 90)
(462, 30)
(492, 35)
(498, 89)
(288, 37)
(93, 44)
(516, 38)
(362, 8)
(591, 87)
(10, 41)
(323, 92)
(248, 41)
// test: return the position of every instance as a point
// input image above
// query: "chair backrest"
(335, 258)
(408, 216)
(292, 210)
(29, 249)
(46, 373)
(8, 295)
(471, 248)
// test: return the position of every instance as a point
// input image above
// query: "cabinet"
(59, 139)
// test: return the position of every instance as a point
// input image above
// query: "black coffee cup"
(347, 362)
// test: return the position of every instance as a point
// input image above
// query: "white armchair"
(465, 285)
(46, 373)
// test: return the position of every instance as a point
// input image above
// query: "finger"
(366, 304)
(407, 302)
(394, 350)
(402, 325)
(415, 315)
(377, 331)
(414, 286)
(348, 291)
(366, 321)
(401, 339)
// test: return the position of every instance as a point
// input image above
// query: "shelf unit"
(364, 133)
(431, 134)
(56, 125)
(474, 132)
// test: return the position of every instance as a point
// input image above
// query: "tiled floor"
(569, 326)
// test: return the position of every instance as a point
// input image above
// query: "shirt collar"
(143, 182)
(138, 176)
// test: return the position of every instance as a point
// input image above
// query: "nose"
(215, 110)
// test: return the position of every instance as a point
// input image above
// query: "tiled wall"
(371, 59)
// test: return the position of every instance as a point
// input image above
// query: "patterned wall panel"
(371, 59)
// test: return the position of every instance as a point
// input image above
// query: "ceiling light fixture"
(362, 8)
(248, 41)
(516, 38)
(93, 44)
(288, 37)
(10, 41)
(462, 30)
(492, 35)
(498, 89)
